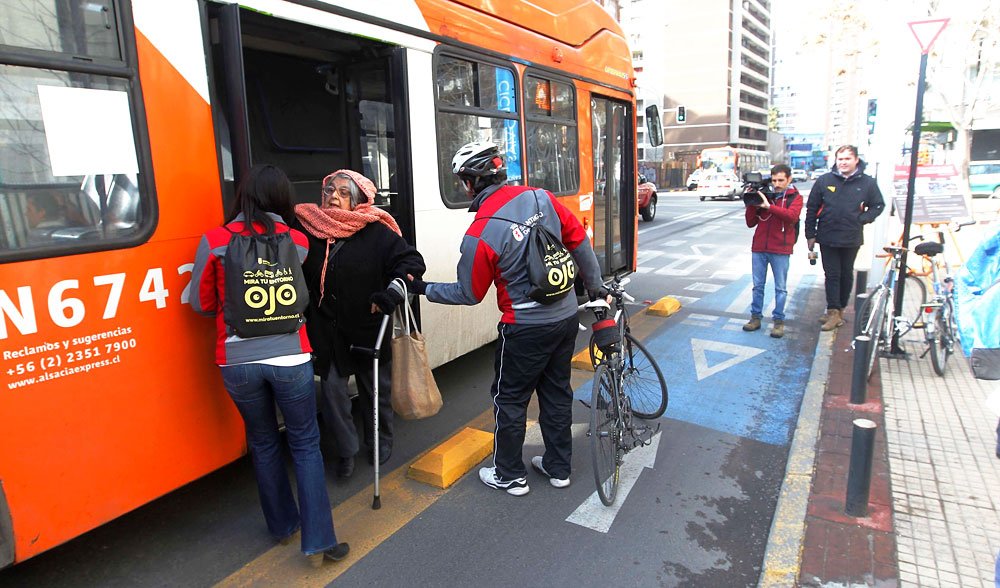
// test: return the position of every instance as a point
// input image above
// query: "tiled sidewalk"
(945, 474)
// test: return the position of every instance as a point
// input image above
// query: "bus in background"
(127, 126)
(734, 160)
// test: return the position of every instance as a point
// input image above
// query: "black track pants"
(528, 358)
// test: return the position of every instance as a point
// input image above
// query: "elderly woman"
(355, 251)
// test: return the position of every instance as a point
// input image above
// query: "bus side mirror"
(654, 129)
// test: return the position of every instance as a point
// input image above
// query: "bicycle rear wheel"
(605, 434)
(642, 381)
(914, 297)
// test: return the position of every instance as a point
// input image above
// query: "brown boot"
(753, 324)
(834, 319)
(822, 318)
(778, 328)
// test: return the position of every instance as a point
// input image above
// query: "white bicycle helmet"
(477, 159)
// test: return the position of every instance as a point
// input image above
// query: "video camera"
(755, 184)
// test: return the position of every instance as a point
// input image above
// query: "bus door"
(614, 184)
(310, 101)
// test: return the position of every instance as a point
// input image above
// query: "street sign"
(938, 196)
(927, 31)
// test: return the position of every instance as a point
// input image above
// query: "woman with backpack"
(355, 251)
(267, 365)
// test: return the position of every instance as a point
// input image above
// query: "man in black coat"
(841, 203)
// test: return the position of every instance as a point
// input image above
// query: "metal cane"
(400, 287)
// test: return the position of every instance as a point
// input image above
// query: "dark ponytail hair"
(265, 189)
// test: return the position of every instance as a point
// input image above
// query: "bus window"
(69, 173)
(476, 102)
(550, 125)
(83, 28)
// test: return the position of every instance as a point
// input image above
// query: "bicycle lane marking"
(745, 384)
(592, 513)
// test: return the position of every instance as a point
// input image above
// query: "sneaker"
(536, 462)
(515, 487)
(778, 329)
(753, 324)
(335, 553)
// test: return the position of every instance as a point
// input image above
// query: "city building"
(707, 65)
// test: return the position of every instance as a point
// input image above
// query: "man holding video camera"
(773, 210)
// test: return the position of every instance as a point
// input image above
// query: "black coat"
(365, 264)
(839, 207)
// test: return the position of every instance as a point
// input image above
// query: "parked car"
(984, 178)
(692, 183)
(719, 185)
(646, 198)
(799, 175)
(816, 173)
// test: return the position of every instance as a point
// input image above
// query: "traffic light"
(872, 107)
(681, 114)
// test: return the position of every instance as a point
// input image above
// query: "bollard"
(861, 282)
(859, 374)
(859, 475)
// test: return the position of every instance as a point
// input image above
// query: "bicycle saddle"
(929, 248)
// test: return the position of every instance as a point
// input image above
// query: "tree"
(963, 68)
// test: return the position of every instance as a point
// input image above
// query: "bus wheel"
(702, 198)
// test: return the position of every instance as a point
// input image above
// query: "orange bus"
(126, 126)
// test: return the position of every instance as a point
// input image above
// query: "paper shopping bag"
(415, 394)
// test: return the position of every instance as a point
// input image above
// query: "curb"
(783, 556)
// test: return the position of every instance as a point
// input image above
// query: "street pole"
(926, 32)
(911, 184)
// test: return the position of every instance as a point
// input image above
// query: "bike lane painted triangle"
(745, 384)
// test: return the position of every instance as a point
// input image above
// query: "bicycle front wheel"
(642, 381)
(605, 434)
(943, 343)
(870, 321)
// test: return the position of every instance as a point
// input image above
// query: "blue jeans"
(255, 388)
(779, 269)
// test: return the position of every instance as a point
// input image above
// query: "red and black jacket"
(775, 232)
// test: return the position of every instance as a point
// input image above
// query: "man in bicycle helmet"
(536, 340)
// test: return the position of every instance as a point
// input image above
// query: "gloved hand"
(387, 300)
(417, 286)
(600, 292)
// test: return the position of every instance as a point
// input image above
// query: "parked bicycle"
(629, 390)
(938, 314)
(874, 318)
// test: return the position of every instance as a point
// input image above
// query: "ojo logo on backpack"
(265, 288)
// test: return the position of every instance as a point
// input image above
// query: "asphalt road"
(698, 514)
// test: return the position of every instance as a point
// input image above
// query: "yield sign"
(927, 31)
(737, 354)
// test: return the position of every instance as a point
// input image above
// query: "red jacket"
(775, 231)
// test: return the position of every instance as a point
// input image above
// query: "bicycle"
(627, 383)
(874, 318)
(940, 330)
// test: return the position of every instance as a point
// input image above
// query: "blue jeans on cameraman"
(779, 268)
(255, 388)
